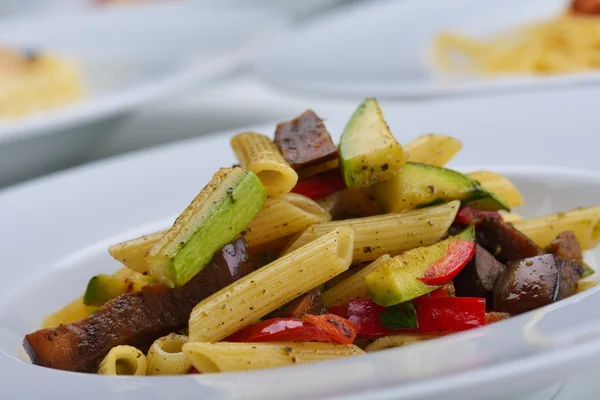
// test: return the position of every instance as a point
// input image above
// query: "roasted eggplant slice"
(135, 319)
(535, 282)
(479, 277)
(304, 141)
(566, 247)
(504, 241)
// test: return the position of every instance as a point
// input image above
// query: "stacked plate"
(130, 56)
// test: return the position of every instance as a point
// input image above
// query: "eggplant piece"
(505, 241)
(566, 247)
(479, 276)
(309, 303)
(304, 141)
(535, 282)
(136, 319)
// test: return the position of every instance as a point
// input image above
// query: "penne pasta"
(433, 149)
(510, 216)
(230, 357)
(352, 287)
(166, 357)
(390, 233)
(260, 155)
(351, 203)
(271, 286)
(132, 253)
(280, 217)
(397, 341)
(126, 273)
(123, 360)
(499, 185)
(584, 222)
(73, 311)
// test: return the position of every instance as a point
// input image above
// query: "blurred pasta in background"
(564, 44)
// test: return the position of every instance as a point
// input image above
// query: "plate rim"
(450, 87)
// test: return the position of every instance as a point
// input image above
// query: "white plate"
(381, 48)
(292, 8)
(55, 231)
(132, 56)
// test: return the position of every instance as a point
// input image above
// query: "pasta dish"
(32, 82)
(566, 43)
(309, 251)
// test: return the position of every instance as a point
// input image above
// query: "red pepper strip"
(342, 311)
(367, 315)
(434, 314)
(320, 185)
(339, 329)
(280, 330)
(470, 215)
(193, 371)
(445, 269)
(492, 317)
(450, 314)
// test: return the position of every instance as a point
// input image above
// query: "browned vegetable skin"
(535, 282)
(493, 316)
(135, 319)
(566, 247)
(304, 141)
(309, 303)
(479, 276)
(504, 241)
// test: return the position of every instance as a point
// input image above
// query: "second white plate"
(134, 55)
(381, 49)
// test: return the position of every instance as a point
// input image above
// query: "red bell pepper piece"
(342, 310)
(434, 314)
(339, 329)
(367, 315)
(449, 314)
(193, 371)
(320, 185)
(280, 330)
(445, 269)
(470, 215)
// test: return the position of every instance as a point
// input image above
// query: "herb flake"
(400, 316)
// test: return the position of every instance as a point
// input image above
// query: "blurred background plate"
(295, 9)
(130, 56)
(381, 48)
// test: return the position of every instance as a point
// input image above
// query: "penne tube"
(123, 360)
(73, 311)
(397, 341)
(230, 357)
(270, 287)
(352, 287)
(132, 253)
(166, 357)
(499, 185)
(390, 233)
(351, 203)
(584, 222)
(433, 149)
(280, 217)
(260, 155)
(510, 217)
